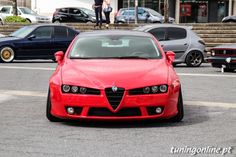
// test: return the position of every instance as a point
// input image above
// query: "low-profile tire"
(7, 54)
(49, 116)
(180, 108)
(194, 59)
(228, 70)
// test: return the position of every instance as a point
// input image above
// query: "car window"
(43, 32)
(176, 33)
(74, 11)
(5, 10)
(128, 13)
(60, 32)
(63, 10)
(25, 10)
(114, 47)
(159, 33)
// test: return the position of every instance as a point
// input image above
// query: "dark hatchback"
(36, 42)
(223, 56)
(80, 15)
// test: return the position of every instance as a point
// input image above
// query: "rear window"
(176, 33)
(115, 47)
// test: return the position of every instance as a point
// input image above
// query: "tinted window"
(43, 32)
(74, 11)
(63, 10)
(5, 10)
(176, 33)
(114, 47)
(71, 34)
(159, 33)
(60, 32)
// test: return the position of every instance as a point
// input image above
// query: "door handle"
(186, 44)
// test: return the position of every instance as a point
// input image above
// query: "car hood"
(7, 39)
(122, 73)
(227, 46)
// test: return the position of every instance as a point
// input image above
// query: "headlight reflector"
(74, 89)
(83, 90)
(146, 90)
(66, 88)
(154, 89)
(163, 88)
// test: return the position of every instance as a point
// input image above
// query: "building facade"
(26, 3)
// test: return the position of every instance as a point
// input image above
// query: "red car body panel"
(104, 73)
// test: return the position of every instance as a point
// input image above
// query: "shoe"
(107, 26)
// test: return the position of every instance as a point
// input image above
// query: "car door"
(62, 38)
(38, 44)
(63, 15)
(76, 15)
(176, 41)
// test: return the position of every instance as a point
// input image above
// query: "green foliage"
(15, 19)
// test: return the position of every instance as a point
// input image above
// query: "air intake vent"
(114, 96)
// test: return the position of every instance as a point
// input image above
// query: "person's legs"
(96, 13)
(107, 15)
(100, 15)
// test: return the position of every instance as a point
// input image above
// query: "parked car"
(36, 42)
(187, 45)
(223, 56)
(229, 19)
(145, 15)
(24, 12)
(1, 20)
(73, 14)
(1, 35)
(97, 79)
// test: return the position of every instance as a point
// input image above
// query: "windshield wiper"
(132, 57)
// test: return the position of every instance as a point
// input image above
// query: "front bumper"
(218, 62)
(97, 107)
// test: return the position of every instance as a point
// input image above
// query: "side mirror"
(59, 56)
(170, 55)
(31, 37)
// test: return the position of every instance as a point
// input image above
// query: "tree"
(166, 8)
(14, 2)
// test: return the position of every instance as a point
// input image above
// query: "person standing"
(107, 10)
(98, 12)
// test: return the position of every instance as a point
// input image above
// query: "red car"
(114, 75)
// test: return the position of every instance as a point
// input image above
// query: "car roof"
(116, 32)
(151, 26)
(50, 24)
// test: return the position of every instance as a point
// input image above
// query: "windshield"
(25, 10)
(22, 32)
(115, 47)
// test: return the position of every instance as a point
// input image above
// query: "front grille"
(226, 52)
(104, 112)
(114, 98)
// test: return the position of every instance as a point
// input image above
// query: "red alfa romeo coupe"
(114, 75)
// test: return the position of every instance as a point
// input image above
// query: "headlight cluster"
(73, 89)
(212, 53)
(149, 90)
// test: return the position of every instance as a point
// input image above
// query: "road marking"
(27, 68)
(210, 104)
(6, 94)
(180, 74)
(206, 75)
(23, 93)
(4, 97)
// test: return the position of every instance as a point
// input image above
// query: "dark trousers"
(98, 12)
(107, 15)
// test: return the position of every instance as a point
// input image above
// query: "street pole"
(166, 8)
(136, 11)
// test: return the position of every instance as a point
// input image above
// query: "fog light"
(70, 110)
(158, 110)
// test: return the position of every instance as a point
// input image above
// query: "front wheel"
(49, 116)
(7, 54)
(180, 108)
(194, 59)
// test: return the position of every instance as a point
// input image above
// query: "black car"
(145, 15)
(229, 19)
(36, 42)
(81, 15)
(223, 56)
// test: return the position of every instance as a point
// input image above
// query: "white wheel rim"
(7, 54)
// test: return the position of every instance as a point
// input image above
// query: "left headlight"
(156, 89)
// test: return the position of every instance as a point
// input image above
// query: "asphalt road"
(210, 119)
